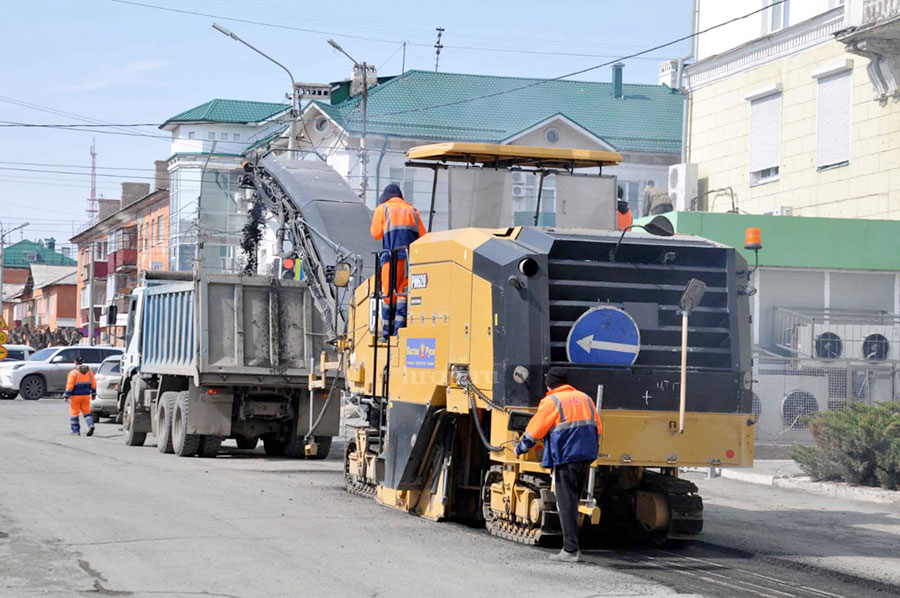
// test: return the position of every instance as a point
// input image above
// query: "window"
(765, 138)
(833, 121)
(212, 136)
(159, 230)
(190, 134)
(235, 136)
(321, 125)
(778, 17)
(223, 136)
(67, 355)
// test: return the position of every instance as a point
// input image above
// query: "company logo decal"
(418, 281)
(420, 353)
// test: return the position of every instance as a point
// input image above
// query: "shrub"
(860, 445)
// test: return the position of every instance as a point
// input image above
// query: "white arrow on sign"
(588, 344)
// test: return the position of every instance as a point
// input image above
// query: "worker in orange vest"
(569, 424)
(624, 218)
(396, 224)
(81, 387)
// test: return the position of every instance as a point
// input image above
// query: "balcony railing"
(864, 13)
(122, 259)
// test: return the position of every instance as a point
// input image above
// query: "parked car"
(45, 372)
(17, 353)
(14, 353)
(107, 402)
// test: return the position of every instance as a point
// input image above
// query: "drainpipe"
(695, 23)
(378, 170)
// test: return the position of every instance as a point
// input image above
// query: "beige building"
(784, 119)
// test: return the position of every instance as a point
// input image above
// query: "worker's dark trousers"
(569, 479)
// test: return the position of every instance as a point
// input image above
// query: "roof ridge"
(547, 79)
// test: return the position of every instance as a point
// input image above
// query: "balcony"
(100, 271)
(122, 260)
(873, 31)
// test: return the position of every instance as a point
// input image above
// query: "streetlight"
(364, 157)
(2, 243)
(293, 96)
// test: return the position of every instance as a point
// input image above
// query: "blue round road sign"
(604, 335)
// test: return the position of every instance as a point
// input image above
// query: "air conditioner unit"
(780, 211)
(683, 186)
(819, 341)
(518, 191)
(877, 343)
(518, 176)
(785, 396)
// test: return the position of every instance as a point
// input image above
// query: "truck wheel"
(273, 446)
(184, 444)
(132, 438)
(209, 446)
(294, 448)
(32, 387)
(164, 422)
(247, 444)
(324, 443)
(7, 396)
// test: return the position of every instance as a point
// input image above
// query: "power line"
(148, 178)
(372, 39)
(6, 123)
(579, 71)
(74, 166)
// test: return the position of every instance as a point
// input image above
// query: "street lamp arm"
(338, 47)
(233, 36)
(12, 230)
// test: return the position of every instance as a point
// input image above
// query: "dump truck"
(219, 356)
(214, 356)
(491, 310)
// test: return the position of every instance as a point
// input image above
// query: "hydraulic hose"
(484, 440)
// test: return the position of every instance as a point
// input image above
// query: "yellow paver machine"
(654, 326)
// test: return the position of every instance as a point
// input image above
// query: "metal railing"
(786, 391)
(867, 335)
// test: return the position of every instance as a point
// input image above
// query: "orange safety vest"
(625, 220)
(80, 385)
(397, 224)
(569, 421)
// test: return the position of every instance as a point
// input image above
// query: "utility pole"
(363, 153)
(92, 200)
(363, 150)
(91, 250)
(403, 66)
(438, 47)
(2, 243)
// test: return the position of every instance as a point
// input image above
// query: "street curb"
(805, 484)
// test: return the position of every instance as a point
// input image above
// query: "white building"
(208, 142)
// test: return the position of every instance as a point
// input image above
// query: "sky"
(122, 62)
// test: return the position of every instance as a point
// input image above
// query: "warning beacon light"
(753, 242)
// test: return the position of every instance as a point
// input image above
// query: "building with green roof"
(19, 257)
(208, 143)
(642, 122)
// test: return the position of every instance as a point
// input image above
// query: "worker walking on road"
(396, 223)
(568, 422)
(81, 387)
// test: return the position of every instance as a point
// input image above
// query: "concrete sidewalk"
(784, 473)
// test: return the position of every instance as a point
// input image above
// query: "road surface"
(90, 516)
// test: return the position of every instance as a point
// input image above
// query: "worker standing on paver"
(81, 387)
(624, 219)
(396, 223)
(568, 422)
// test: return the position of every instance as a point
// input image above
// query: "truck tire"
(294, 448)
(32, 387)
(184, 444)
(209, 446)
(324, 443)
(273, 446)
(247, 444)
(7, 396)
(164, 422)
(129, 415)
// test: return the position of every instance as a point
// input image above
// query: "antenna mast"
(438, 46)
(92, 200)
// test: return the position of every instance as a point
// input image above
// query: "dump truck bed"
(230, 329)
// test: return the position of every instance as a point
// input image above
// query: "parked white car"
(46, 371)
(107, 403)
